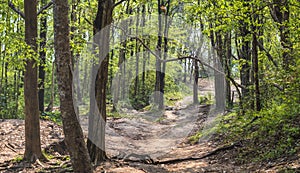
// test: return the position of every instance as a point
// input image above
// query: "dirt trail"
(150, 134)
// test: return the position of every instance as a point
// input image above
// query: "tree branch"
(140, 40)
(268, 54)
(45, 7)
(12, 6)
(194, 58)
(89, 22)
(118, 3)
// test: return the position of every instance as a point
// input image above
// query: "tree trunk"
(144, 52)
(158, 96)
(195, 88)
(72, 130)
(219, 77)
(244, 54)
(43, 37)
(255, 64)
(137, 50)
(32, 122)
(164, 65)
(280, 13)
(97, 118)
(51, 102)
(228, 70)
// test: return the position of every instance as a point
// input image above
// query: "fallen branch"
(146, 159)
(9, 146)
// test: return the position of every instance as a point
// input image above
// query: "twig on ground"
(10, 147)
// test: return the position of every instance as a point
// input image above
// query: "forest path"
(149, 133)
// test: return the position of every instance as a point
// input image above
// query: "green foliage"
(207, 99)
(47, 155)
(52, 116)
(117, 115)
(143, 98)
(268, 134)
(18, 159)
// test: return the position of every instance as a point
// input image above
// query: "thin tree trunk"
(164, 65)
(244, 54)
(51, 102)
(136, 84)
(255, 65)
(158, 97)
(227, 70)
(195, 86)
(281, 14)
(144, 51)
(42, 53)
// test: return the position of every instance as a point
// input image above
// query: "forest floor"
(140, 142)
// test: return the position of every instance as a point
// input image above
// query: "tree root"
(214, 152)
(149, 160)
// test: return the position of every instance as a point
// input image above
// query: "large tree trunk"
(72, 130)
(97, 118)
(32, 123)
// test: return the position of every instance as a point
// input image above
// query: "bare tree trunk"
(144, 52)
(227, 70)
(137, 50)
(72, 129)
(281, 14)
(97, 118)
(255, 65)
(195, 87)
(158, 97)
(166, 48)
(42, 53)
(244, 54)
(219, 77)
(51, 102)
(32, 122)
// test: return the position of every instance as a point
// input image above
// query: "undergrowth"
(266, 135)
(52, 116)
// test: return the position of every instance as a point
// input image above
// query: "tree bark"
(228, 70)
(281, 14)
(72, 130)
(219, 77)
(43, 37)
(97, 118)
(158, 96)
(137, 50)
(255, 66)
(32, 122)
(195, 88)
